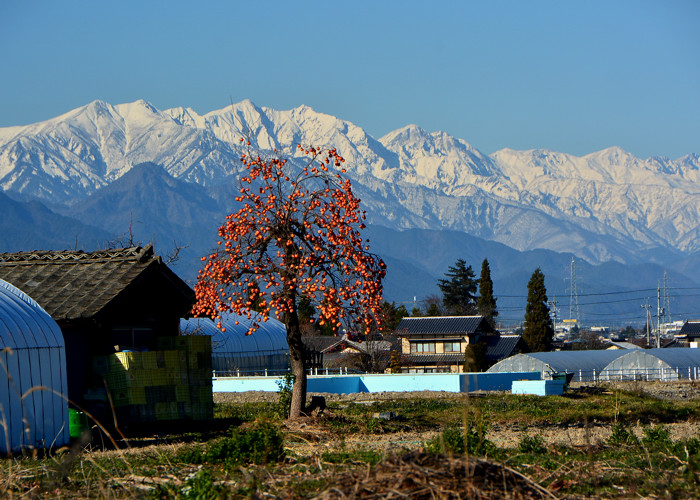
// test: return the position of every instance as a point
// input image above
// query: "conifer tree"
(459, 291)
(486, 302)
(539, 331)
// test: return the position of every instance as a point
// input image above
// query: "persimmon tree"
(296, 236)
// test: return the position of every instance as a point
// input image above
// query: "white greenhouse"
(585, 365)
(33, 407)
(264, 352)
(654, 364)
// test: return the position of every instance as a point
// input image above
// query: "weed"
(621, 435)
(261, 444)
(246, 412)
(191, 455)
(284, 403)
(472, 441)
(358, 455)
(203, 487)
(531, 444)
(657, 437)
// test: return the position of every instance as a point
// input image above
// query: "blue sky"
(569, 76)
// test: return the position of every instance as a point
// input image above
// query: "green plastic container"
(77, 423)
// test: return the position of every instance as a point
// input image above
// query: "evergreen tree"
(486, 302)
(395, 362)
(459, 291)
(391, 316)
(433, 310)
(539, 331)
(475, 357)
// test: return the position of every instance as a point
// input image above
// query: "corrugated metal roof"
(558, 361)
(76, 284)
(443, 325)
(270, 338)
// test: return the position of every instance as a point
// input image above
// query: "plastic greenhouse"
(654, 364)
(585, 365)
(264, 352)
(33, 409)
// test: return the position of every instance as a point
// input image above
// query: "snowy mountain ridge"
(607, 205)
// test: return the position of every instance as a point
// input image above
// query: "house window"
(419, 347)
(452, 346)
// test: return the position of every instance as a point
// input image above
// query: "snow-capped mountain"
(608, 205)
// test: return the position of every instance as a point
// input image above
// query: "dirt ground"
(505, 436)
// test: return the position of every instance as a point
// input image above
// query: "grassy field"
(621, 444)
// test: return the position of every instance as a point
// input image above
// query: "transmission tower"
(666, 304)
(573, 302)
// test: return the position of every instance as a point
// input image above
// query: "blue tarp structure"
(234, 352)
(33, 407)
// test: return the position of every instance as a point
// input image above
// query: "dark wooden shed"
(104, 301)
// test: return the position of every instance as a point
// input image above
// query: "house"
(690, 331)
(105, 302)
(335, 353)
(437, 344)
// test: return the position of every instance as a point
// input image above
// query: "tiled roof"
(501, 347)
(77, 284)
(461, 325)
(691, 328)
(432, 359)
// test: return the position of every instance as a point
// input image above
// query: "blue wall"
(539, 387)
(400, 382)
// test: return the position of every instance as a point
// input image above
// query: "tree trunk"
(297, 357)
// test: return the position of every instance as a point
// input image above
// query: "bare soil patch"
(419, 475)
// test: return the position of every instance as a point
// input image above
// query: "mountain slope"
(32, 226)
(604, 206)
(148, 205)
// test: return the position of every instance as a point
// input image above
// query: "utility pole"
(648, 313)
(552, 304)
(659, 312)
(667, 300)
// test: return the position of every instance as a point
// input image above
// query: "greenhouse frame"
(33, 383)
(235, 353)
(654, 364)
(585, 365)
(612, 364)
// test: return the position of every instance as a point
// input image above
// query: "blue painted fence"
(399, 382)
